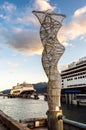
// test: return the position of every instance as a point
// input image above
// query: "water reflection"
(23, 108)
(76, 113)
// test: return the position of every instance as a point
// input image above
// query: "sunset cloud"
(26, 42)
(75, 28)
(24, 35)
(80, 11)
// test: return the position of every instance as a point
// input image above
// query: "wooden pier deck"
(7, 122)
(40, 128)
(2, 127)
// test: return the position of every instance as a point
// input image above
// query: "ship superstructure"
(22, 88)
(74, 83)
(75, 75)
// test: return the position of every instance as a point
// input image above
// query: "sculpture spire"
(53, 50)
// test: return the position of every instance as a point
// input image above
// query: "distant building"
(22, 88)
(75, 75)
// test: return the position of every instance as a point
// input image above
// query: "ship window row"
(69, 79)
(74, 69)
(74, 74)
(80, 77)
(76, 85)
(16, 91)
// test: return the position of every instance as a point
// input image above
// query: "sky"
(20, 44)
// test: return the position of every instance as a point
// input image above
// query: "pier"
(7, 122)
(52, 51)
(41, 124)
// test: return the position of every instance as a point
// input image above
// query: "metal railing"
(73, 125)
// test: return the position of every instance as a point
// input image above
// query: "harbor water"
(19, 108)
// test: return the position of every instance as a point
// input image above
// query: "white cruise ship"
(74, 82)
(75, 75)
(22, 88)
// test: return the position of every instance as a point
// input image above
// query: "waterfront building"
(74, 79)
(22, 88)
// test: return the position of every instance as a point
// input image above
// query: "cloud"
(63, 67)
(23, 38)
(3, 17)
(43, 5)
(11, 72)
(19, 37)
(83, 38)
(17, 29)
(27, 17)
(26, 42)
(80, 11)
(67, 44)
(75, 28)
(12, 64)
(7, 11)
(8, 7)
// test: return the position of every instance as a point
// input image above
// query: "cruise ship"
(74, 79)
(75, 75)
(22, 88)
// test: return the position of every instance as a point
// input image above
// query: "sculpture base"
(55, 121)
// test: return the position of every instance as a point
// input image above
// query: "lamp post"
(53, 50)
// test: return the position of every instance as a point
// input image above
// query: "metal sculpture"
(53, 50)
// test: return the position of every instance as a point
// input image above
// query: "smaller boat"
(21, 89)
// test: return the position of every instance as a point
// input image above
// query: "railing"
(73, 125)
(40, 122)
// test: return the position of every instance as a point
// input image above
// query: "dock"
(40, 128)
(41, 124)
(2, 127)
(7, 122)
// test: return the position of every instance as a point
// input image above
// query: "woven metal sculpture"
(53, 50)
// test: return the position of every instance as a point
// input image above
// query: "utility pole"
(53, 50)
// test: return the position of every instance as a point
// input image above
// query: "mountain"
(41, 87)
(7, 91)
